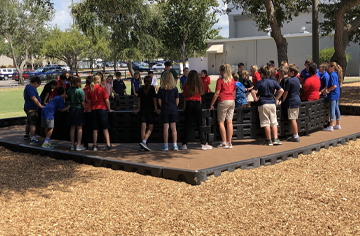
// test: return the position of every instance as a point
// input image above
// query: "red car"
(26, 72)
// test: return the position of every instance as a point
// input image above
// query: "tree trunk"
(129, 65)
(183, 54)
(280, 41)
(115, 65)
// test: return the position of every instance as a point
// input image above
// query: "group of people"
(268, 87)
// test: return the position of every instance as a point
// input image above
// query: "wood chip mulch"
(350, 94)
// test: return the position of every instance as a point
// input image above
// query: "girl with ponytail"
(332, 91)
(147, 105)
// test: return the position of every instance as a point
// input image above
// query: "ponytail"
(147, 84)
(97, 80)
(339, 71)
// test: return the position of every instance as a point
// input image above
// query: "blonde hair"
(245, 72)
(272, 70)
(96, 80)
(339, 71)
(254, 67)
(167, 81)
(284, 69)
(324, 65)
(283, 63)
(226, 69)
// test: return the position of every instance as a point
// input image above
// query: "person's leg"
(275, 132)
(174, 132)
(189, 118)
(143, 131)
(337, 113)
(27, 129)
(267, 132)
(229, 118)
(198, 120)
(49, 133)
(46, 132)
(95, 136)
(166, 133)
(222, 131)
(230, 131)
(72, 135)
(107, 137)
(79, 135)
(332, 112)
(32, 130)
(294, 127)
(148, 132)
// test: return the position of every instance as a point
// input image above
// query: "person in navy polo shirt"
(324, 78)
(291, 100)
(119, 86)
(265, 88)
(32, 103)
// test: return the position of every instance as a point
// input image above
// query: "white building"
(252, 47)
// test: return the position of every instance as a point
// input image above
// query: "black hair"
(205, 72)
(63, 77)
(89, 80)
(167, 63)
(52, 83)
(312, 68)
(270, 63)
(150, 72)
(147, 84)
(265, 70)
(111, 76)
(241, 64)
(118, 74)
(60, 90)
(36, 80)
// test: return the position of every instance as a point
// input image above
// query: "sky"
(63, 20)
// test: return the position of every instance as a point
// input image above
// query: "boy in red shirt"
(60, 83)
(255, 74)
(206, 81)
(311, 86)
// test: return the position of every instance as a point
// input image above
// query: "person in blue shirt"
(305, 72)
(183, 78)
(119, 86)
(240, 97)
(324, 77)
(47, 115)
(333, 94)
(135, 83)
(263, 93)
(291, 100)
(31, 105)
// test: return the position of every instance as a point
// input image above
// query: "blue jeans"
(334, 110)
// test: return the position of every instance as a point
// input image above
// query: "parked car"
(144, 64)
(25, 74)
(51, 74)
(42, 70)
(140, 68)
(65, 67)
(6, 73)
(158, 67)
(122, 64)
(151, 64)
(109, 64)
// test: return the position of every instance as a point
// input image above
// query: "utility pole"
(315, 31)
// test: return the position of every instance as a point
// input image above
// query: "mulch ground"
(350, 94)
(317, 194)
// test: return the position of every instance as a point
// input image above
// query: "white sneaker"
(337, 127)
(206, 147)
(184, 147)
(329, 128)
(80, 148)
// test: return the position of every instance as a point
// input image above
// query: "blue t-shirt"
(334, 80)
(168, 100)
(119, 87)
(29, 92)
(136, 84)
(266, 89)
(182, 80)
(55, 104)
(240, 98)
(292, 86)
(324, 79)
(305, 74)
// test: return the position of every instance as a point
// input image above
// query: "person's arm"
(107, 102)
(330, 89)
(181, 86)
(83, 104)
(133, 89)
(46, 98)
(284, 97)
(137, 110)
(209, 88)
(280, 93)
(216, 95)
(155, 105)
(65, 109)
(253, 94)
(37, 103)
(159, 101)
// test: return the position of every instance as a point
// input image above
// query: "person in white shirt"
(154, 81)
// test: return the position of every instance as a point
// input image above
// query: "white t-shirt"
(154, 81)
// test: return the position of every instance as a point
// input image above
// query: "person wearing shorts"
(47, 115)
(291, 100)
(248, 86)
(31, 105)
(225, 94)
(168, 99)
(100, 105)
(265, 88)
(147, 104)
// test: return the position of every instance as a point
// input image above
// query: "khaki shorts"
(249, 97)
(32, 116)
(225, 110)
(267, 115)
(293, 113)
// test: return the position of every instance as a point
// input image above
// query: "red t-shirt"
(98, 97)
(277, 75)
(311, 88)
(206, 82)
(256, 77)
(196, 97)
(87, 93)
(226, 90)
(59, 84)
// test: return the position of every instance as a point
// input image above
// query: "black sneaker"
(144, 146)
(107, 148)
(277, 141)
(95, 148)
(26, 137)
(293, 139)
(268, 143)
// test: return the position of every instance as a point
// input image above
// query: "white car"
(65, 67)
(6, 73)
(158, 67)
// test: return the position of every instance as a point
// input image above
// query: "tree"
(131, 25)
(187, 25)
(69, 46)
(344, 18)
(23, 26)
(274, 13)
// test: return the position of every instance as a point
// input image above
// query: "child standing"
(45, 94)
(248, 86)
(324, 77)
(135, 84)
(291, 100)
(205, 79)
(333, 94)
(154, 81)
(86, 90)
(99, 101)
(47, 115)
(119, 86)
(265, 88)
(76, 116)
(109, 86)
(193, 90)
(240, 98)
(147, 104)
(183, 78)
(60, 83)
(168, 98)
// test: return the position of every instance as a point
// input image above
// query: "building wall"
(4, 61)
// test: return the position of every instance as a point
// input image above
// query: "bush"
(327, 53)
